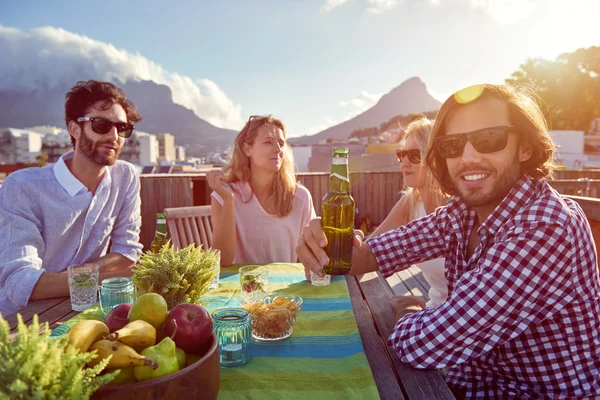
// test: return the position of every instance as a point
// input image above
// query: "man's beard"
(505, 181)
(89, 148)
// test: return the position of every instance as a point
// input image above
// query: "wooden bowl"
(199, 380)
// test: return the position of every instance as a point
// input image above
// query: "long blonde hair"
(431, 197)
(237, 169)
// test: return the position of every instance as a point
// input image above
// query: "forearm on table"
(113, 262)
(224, 235)
(50, 284)
(55, 284)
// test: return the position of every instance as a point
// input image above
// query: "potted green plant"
(36, 366)
(180, 276)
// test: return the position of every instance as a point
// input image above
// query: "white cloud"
(505, 11)
(379, 6)
(51, 57)
(331, 4)
(363, 101)
(329, 122)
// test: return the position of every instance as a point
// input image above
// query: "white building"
(179, 153)
(140, 149)
(19, 146)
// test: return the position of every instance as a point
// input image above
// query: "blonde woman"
(421, 198)
(258, 207)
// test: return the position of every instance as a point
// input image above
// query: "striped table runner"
(323, 359)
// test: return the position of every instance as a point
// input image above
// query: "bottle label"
(161, 221)
(344, 178)
(339, 161)
(161, 234)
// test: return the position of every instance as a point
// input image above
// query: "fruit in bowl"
(273, 317)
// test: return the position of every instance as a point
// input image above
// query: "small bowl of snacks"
(273, 316)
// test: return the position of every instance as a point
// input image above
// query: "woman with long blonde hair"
(421, 197)
(258, 207)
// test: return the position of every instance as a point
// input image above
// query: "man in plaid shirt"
(522, 319)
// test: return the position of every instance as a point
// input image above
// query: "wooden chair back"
(188, 225)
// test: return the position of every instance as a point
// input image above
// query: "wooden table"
(370, 302)
(370, 296)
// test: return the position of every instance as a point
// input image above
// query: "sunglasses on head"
(488, 140)
(102, 126)
(414, 155)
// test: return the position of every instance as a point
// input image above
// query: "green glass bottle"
(338, 216)
(160, 238)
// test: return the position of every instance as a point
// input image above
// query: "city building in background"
(141, 149)
(19, 146)
(166, 147)
(180, 154)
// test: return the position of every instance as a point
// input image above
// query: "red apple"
(190, 327)
(118, 317)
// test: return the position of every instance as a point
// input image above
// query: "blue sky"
(311, 63)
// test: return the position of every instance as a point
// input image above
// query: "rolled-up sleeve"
(20, 262)
(126, 233)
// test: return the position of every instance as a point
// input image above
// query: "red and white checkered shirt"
(522, 319)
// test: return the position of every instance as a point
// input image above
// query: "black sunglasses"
(414, 155)
(488, 140)
(102, 126)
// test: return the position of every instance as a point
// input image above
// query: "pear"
(125, 375)
(149, 307)
(181, 357)
(165, 353)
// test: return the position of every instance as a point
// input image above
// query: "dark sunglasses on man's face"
(102, 126)
(488, 140)
(414, 155)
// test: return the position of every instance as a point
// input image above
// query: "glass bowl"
(273, 316)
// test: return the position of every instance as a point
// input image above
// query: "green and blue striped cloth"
(323, 359)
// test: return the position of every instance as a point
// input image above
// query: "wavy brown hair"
(525, 114)
(85, 94)
(237, 169)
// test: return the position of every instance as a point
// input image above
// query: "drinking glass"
(83, 285)
(254, 282)
(316, 280)
(215, 282)
(115, 291)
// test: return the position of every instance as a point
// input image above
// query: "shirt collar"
(66, 179)
(521, 193)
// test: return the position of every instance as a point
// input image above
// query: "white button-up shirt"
(49, 220)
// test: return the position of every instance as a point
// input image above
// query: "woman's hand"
(216, 183)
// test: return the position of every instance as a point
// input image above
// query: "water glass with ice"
(83, 285)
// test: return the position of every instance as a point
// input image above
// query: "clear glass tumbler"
(254, 282)
(83, 285)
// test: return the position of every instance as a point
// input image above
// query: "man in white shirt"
(68, 213)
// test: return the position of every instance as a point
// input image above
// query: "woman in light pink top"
(258, 207)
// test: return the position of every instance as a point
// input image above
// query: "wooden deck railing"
(375, 193)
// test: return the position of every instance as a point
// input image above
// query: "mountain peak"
(410, 97)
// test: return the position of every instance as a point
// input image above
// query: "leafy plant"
(35, 366)
(180, 276)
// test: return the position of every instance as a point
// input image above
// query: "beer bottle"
(160, 238)
(338, 216)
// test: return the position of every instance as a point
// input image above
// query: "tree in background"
(569, 86)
